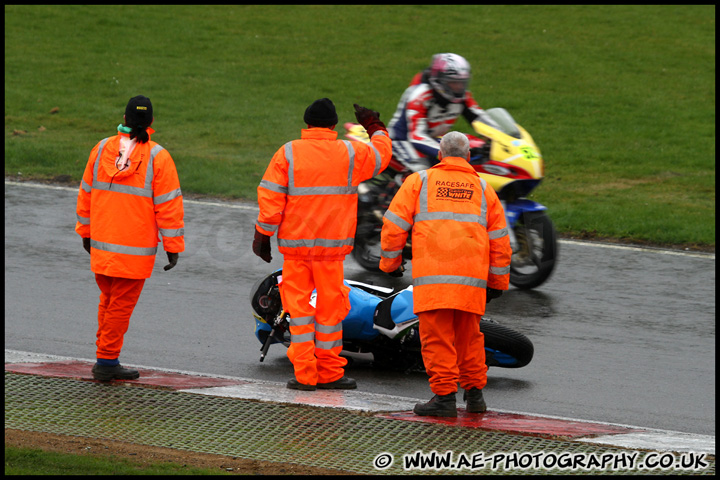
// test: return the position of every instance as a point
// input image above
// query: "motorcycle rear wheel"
(507, 341)
(535, 260)
(530, 267)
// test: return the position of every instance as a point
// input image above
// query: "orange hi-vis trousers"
(453, 350)
(118, 297)
(315, 331)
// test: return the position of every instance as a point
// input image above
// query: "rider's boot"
(475, 400)
(438, 406)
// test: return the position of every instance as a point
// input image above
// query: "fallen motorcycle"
(508, 159)
(380, 328)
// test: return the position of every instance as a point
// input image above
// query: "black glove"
(172, 258)
(261, 246)
(86, 244)
(492, 293)
(398, 272)
(369, 119)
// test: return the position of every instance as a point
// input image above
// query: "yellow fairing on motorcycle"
(514, 158)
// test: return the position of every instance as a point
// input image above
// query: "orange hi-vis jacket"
(460, 242)
(308, 194)
(123, 211)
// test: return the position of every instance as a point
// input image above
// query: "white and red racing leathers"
(421, 119)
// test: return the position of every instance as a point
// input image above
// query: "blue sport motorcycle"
(381, 328)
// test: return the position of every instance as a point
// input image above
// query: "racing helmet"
(449, 76)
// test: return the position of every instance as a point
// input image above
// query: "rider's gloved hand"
(369, 119)
(261, 246)
(492, 293)
(479, 155)
(86, 244)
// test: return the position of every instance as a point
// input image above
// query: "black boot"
(438, 406)
(106, 373)
(343, 383)
(475, 400)
(295, 385)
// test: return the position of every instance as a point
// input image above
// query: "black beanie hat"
(139, 112)
(321, 113)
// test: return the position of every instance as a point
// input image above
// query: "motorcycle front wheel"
(366, 249)
(534, 261)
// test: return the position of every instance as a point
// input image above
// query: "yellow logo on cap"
(140, 107)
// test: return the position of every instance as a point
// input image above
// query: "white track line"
(247, 206)
(662, 251)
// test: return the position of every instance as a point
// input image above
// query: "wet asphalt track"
(621, 335)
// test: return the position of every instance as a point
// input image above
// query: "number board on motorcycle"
(529, 152)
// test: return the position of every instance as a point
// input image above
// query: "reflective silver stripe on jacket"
(114, 248)
(500, 270)
(449, 279)
(495, 234)
(298, 191)
(378, 157)
(423, 198)
(315, 242)
(172, 232)
(150, 172)
(97, 164)
(166, 197)
(458, 217)
(391, 253)
(394, 218)
(400, 223)
(274, 187)
(119, 188)
(268, 227)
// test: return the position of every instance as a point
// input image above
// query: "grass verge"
(620, 98)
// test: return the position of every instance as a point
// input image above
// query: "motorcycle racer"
(428, 109)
